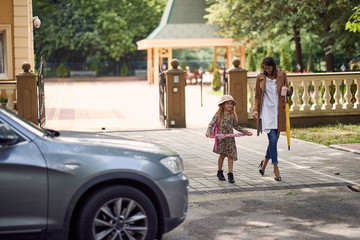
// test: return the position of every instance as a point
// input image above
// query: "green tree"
(269, 51)
(121, 23)
(97, 30)
(265, 21)
(65, 36)
(250, 60)
(285, 59)
(260, 20)
(353, 24)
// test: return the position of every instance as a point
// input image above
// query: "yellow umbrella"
(287, 115)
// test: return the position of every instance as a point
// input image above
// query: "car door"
(23, 187)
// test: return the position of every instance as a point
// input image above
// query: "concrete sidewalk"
(130, 109)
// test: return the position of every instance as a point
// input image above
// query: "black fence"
(109, 69)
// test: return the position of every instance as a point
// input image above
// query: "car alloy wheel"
(118, 212)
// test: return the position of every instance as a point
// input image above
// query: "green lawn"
(328, 134)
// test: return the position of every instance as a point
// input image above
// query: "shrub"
(285, 58)
(183, 65)
(216, 83)
(124, 71)
(211, 67)
(251, 63)
(62, 71)
(94, 67)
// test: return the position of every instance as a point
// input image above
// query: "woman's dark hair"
(269, 61)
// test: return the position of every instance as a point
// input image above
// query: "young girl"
(225, 119)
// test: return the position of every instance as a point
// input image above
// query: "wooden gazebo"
(183, 26)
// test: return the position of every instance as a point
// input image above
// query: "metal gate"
(162, 95)
(41, 93)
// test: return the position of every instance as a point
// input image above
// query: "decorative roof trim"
(185, 43)
(164, 20)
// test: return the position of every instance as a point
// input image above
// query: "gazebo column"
(166, 53)
(170, 56)
(156, 66)
(219, 51)
(242, 56)
(229, 57)
(150, 73)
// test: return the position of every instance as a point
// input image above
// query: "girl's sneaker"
(220, 175)
(231, 177)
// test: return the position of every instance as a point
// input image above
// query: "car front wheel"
(117, 212)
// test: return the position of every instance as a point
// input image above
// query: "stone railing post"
(238, 89)
(327, 105)
(305, 97)
(348, 104)
(27, 94)
(175, 96)
(295, 96)
(337, 95)
(316, 106)
(357, 94)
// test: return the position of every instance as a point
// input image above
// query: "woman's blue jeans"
(271, 152)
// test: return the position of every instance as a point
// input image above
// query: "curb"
(345, 147)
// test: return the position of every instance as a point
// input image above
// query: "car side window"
(8, 136)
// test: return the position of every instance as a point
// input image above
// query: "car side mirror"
(7, 135)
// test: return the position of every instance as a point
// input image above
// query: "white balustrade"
(10, 88)
(251, 87)
(320, 105)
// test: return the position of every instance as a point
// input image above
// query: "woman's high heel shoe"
(260, 170)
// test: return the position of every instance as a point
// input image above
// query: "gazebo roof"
(183, 25)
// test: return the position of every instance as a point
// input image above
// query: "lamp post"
(224, 76)
(201, 72)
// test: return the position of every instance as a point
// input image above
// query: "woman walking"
(269, 110)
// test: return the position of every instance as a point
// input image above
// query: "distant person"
(223, 122)
(269, 110)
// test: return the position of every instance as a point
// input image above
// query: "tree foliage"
(87, 31)
(259, 22)
(353, 24)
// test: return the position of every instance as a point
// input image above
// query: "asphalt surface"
(316, 180)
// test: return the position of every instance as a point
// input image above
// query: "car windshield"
(23, 122)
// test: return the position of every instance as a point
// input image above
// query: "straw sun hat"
(226, 98)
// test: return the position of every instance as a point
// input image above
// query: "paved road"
(307, 213)
(130, 109)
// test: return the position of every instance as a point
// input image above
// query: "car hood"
(103, 140)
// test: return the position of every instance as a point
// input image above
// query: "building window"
(5, 52)
(2, 54)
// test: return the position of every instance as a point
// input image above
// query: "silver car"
(68, 185)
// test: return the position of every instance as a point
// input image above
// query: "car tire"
(117, 211)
